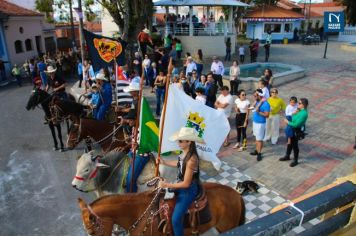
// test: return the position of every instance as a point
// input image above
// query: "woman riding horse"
(187, 187)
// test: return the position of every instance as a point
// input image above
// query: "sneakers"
(259, 157)
(237, 145)
(254, 153)
(285, 158)
(294, 163)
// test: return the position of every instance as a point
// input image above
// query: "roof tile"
(11, 9)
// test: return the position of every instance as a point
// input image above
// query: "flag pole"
(163, 117)
(137, 123)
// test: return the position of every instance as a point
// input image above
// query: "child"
(94, 98)
(290, 110)
(17, 73)
(242, 53)
(262, 84)
(200, 95)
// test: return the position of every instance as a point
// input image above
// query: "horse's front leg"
(59, 131)
(68, 127)
(53, 132)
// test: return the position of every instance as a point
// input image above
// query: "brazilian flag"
(103, 50)
(149, 131)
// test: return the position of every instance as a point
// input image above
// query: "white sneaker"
(237, 145)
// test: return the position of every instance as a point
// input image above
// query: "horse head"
(91, 222)
(37, 96)
(86, 171)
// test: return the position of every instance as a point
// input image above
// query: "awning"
(167, 3)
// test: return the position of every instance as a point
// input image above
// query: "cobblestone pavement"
(327, 152)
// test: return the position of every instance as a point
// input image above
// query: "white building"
(23, 34)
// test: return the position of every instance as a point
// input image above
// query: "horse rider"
(105, 90)
(141, 160)
(56, 82)
(134, 90)
(187, 187)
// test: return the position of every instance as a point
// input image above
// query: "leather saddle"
(197, 214)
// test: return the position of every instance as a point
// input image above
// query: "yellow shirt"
(277, 104)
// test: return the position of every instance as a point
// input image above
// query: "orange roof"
(289, 5)
(11, 9)
(273, 12)
(93, 26)
(318, 9)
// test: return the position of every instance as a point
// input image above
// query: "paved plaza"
(35, 181)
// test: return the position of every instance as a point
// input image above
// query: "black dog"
(247, 186)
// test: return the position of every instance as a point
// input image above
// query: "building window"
(28, 44)
(273, 27)
(18, 46)
(21, 30)
(288, 27)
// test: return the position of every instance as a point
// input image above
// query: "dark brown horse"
(107, 135)
(226, 206)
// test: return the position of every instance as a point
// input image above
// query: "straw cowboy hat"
(145, 30)
(188, 134)
(101, 76)
(134, 86)
(50, 69)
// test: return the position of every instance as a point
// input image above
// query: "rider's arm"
(168, 163)
(188, 175)
(60, 87)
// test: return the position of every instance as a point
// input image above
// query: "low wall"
(211, 45)
(349, 35)
(251, 83)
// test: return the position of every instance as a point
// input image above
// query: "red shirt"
(143, 37)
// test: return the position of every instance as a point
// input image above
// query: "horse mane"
(111, 159)
(127, 197)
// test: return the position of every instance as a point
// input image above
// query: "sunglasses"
(300, 103)
(182, 141)
(242, 94)
(273, 92)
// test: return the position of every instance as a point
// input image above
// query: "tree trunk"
(72, 24)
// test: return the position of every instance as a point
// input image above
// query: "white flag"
(184, 111)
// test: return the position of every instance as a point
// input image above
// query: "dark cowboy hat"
(131, 115)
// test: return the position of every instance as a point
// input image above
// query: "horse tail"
(243, 212)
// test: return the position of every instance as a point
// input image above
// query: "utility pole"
(81, 35)
(72, 24)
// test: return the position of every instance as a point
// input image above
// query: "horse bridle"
(93, 174)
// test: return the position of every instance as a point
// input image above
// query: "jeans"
(184, 199)
(140, 163)
(18, 79)
(234, 86)
(242, 58)
(199, 69)
(101, 111)
(159, 97)
(218, 80)
(3, 75)
(228, 55)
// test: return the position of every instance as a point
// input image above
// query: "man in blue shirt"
(259, 117)
(41, 66)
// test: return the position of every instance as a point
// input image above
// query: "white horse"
(107, 175)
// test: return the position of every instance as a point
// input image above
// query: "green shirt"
(299, 119)
(178, 47)
(16, 71)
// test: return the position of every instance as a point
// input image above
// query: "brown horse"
(227, 210)
(107, 135)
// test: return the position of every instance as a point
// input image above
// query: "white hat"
(145, 30)
(101, 76)
(134, 86)
(186, 133)
(50, 69)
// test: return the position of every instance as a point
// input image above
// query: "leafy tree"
(350, 10)
(45, 6)
(131, 16)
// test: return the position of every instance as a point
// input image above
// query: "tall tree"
(131, 16)
(45, 6)
(350, 10)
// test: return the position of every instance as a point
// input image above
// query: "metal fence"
(285, 220)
